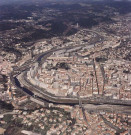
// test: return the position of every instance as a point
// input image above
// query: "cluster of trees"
(6, 106)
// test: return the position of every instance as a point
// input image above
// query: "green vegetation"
(6, 106)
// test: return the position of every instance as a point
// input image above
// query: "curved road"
(29, 89)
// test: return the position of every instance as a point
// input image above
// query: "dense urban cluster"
(65, 68)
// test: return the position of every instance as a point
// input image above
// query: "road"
(29, 89)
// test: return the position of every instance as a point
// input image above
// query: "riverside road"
(32, 90)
